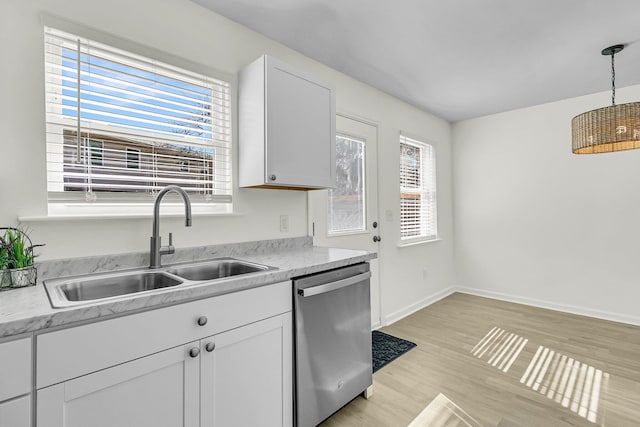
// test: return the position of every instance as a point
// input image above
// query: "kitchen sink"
(99, 287)
(113, 285)
(216, 269)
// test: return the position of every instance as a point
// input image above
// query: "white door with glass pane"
(347, 216)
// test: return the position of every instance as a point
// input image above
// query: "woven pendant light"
(608, 129)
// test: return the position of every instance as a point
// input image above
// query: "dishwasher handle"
(332, 286)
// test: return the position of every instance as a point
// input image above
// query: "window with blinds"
(120, 127)
(417, 190)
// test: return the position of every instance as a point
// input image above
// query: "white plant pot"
(5, 279)
(21, 277)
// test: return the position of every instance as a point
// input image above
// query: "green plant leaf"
(18, 248)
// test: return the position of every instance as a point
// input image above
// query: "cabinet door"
(300, 129)
(247, 378)
(16, 412)
(155, 391)
(15, 368)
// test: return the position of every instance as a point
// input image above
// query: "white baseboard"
(583, 311)
(401, 314)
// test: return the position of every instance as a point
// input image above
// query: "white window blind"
(417, 190)
(121, 126)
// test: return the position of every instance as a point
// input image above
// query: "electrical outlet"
(284, 223)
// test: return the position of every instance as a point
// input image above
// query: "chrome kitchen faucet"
(157, 250)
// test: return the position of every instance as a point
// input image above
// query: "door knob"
(210, 346)
(375, 224)
(202, 320)
(194, 352)
(377, 239)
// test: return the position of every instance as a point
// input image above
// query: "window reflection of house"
(96, 150)
(133, 158)
(119, 164)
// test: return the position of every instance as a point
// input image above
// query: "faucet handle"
(169, 249)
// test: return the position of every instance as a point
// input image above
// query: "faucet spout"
(156, 248)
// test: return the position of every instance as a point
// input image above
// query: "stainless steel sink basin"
(99, 287)
(215, 269)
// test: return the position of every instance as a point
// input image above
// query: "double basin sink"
(99, 287)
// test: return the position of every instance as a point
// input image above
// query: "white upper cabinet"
(286, 127)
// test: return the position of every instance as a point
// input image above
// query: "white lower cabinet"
(240, 377)
(158, 390)
(16, 412)
(15, 382)
(220, 361)
(247, 375)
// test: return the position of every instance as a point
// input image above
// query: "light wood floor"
(466, 342)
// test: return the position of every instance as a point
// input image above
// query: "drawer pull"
(202, 320)
(194, 352)
(210, 346)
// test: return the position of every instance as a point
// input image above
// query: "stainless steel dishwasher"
(332, 341)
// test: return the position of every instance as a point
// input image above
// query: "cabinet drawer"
(15, 368)
(76, 351)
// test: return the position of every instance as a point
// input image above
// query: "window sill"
(417, 242)
(101, 217)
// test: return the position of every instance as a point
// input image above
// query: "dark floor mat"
(386, 348)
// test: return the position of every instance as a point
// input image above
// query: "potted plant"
(5, 276)
(19, 257)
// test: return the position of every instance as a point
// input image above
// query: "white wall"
(537, 224)
(183, 28)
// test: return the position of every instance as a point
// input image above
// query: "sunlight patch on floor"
(442, 412)
(574, 385)
(500, 348)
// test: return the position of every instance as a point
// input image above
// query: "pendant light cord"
(613, 80)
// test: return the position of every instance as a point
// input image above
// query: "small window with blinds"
(121, 126)
(417, 191)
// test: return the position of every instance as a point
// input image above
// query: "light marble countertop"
(29, 310)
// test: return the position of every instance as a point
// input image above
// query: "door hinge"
(313, 229)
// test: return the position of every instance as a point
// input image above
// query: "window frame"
(426, 190)
(125, 204)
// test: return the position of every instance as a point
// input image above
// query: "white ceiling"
(458, 59)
